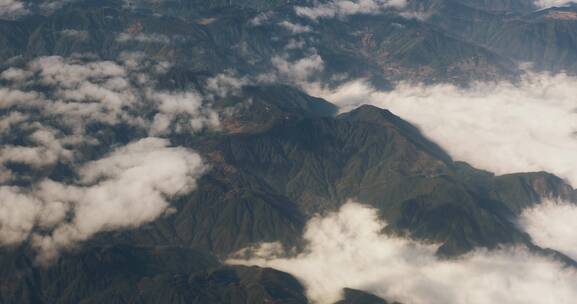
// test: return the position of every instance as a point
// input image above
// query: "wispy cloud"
(171, 105)
(143, 38)
(295, 28)
(343, 8)
(11, 9)
(298, 71)
(552, 3)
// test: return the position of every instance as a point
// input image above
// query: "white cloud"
(33, 156)
(226, 84)
(345, 249)
(46, 151)
(10, 120)
(143, 38)
(52, 5)
(295, 28)
(501, 127)
(18, 213)
(125, 189)
(79, 91)
(84, 91)
(295, 44)
(130, 186)
(14, 74)
(552, 3)
(67, 73)
(170, 105)
(75, 34)
(14, 97)
(261, 18)
(552, 224)
(11, 9)
(298, 71)
(74, 92)
(343, 8)
(14, 9)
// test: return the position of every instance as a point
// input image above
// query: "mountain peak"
(370, 113)
(375, 115)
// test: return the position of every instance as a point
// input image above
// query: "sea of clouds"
(552, 224)
(346, 249)
(502, 127)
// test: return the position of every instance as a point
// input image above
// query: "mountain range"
(280, 157)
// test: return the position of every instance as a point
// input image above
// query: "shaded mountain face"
(125, 274)
(279, 157)
(267, 184)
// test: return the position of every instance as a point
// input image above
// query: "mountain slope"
(267, 184)
(141, 275)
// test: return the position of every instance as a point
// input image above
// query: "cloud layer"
(343, 8)
(345, 249)
(553, 225)
(11, 9)
(52, 101)
(64, 112)
(500, 127)
(127, 188)
(297, 71)
(552, 3)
